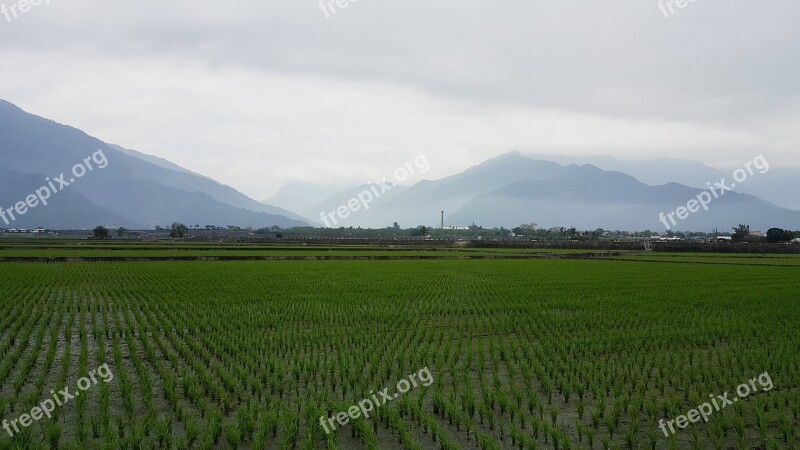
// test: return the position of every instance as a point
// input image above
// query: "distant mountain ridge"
(587, 197)
(134, 190)
(780, 185)
(513, 189)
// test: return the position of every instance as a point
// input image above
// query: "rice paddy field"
(524, 349)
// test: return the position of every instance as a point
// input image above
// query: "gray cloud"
(257, 93)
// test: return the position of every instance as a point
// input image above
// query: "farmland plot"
(522, 353)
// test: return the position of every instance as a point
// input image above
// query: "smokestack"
(443, 220)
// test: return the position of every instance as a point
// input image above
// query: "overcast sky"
(255, 93)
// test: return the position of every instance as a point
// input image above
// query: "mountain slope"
(422, 203)
(74, 211)
(136, 189)
(588, 197)
(513, 189)
(182, 179)
(780, 184)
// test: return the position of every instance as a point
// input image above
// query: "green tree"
(776, 235)
(421, 230)
(741, 232)
(100, 232)
(121, 232)
(177, 230)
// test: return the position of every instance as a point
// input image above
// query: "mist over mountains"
(136, 190)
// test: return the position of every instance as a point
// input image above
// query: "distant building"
(455, 227)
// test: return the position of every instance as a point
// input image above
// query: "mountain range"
(135, 190)
(516, 189)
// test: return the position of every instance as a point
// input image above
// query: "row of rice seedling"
(524, 354)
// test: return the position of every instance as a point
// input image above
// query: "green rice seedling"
(192, 430)
(245, 421)
(164, 433)
(215, 425)
(23, 439)
(291, 429)
(589, 436)
(494, 334)
(630, 436)
(788, 430)
(555, 437)
(53, 434)
(741, 443)
(233, 434)
(136, 438)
